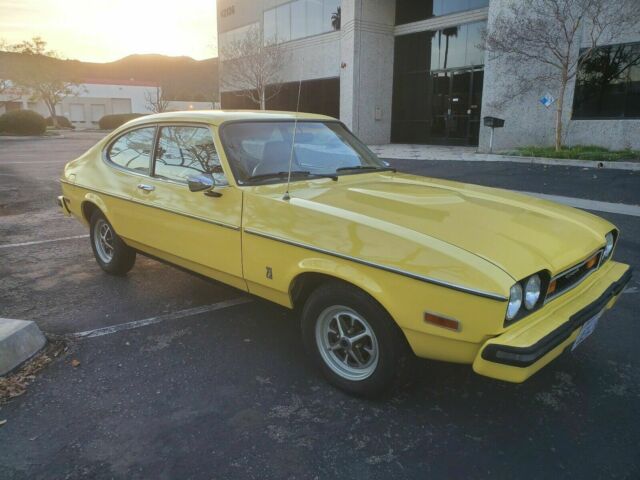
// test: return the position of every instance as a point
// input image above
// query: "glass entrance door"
(455, 106)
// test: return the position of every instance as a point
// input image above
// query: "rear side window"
(184, 151)
(133, 149)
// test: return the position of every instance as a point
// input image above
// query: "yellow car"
(381, 265)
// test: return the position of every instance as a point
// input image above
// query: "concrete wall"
(366, 81)
(528, 122)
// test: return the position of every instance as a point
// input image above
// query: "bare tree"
(42, 75)
(156, 102)
(546, 36)
(252, 68)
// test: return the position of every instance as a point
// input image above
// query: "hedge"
(109, 122)
(63, 122)
(22, 122)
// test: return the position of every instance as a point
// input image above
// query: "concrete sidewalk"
(470, 154)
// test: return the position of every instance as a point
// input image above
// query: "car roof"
(217, 117)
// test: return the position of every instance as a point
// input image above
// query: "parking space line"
(33, 162)
(38, 242)
(98, 332)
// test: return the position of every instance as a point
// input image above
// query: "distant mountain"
(182, 78)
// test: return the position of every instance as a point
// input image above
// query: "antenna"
(286, 195)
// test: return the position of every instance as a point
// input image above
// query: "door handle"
(146, 188)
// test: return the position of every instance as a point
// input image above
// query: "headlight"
(532, 292)
(515, 301)
(608, 247)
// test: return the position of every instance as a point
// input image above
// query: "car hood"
(519, 234)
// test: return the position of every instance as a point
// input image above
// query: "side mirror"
(202, 183)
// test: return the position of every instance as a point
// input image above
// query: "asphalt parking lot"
(215, 384)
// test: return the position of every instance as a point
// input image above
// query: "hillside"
(182, 78)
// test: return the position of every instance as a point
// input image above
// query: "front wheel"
(111, 253)
(354, 341)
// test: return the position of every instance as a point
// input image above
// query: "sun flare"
(96, 30)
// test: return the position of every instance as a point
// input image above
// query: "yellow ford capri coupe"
(381, 265)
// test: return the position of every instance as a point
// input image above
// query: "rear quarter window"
(132, 150)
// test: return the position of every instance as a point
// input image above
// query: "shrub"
(63, 122)
(109, 122)
(23, 122)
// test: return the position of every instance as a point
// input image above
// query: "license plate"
(587, 329)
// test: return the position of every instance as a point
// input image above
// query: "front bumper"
(63, 203)
(524, 349)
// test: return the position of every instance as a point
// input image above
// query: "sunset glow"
(106, 30)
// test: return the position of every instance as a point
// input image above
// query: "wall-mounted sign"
(225, 12)
(547, 100)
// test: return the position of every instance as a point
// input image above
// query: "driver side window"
(184, 151)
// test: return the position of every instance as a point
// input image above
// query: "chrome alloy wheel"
(347, 343)
(103, 238)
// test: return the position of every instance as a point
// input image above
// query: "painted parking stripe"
(33, 162)
(594, 205)
(38, 242)
(98, 332)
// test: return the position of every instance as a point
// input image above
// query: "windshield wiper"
(294, 173)
(366, 167)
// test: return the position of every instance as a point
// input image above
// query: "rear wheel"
(354, 341)
(111, 253)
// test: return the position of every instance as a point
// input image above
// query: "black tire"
(122, 257)
(393, 349)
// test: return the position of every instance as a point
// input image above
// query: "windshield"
(259, 152)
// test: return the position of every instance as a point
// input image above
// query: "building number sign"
(225, 12)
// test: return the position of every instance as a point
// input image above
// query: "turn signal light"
(552, 287)
(441, 321)
(592, 261)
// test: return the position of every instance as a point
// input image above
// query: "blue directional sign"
(547, 100)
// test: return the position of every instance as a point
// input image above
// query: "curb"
(19, 341)
(567, 162)
(410, 152)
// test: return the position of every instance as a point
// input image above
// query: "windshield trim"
(245, 183)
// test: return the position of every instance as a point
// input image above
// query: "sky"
(106, 30)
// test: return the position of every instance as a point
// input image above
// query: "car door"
(195, 230)
(129, 155)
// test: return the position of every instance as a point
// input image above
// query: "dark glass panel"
(408, 11)
(298, 19)
(316, 96)
(607, 83)
(633, 92)
(448, 49)
(269, 27)
(314, 17)
(437, 106)
(283, 20)
(331, 13)
(475, 53)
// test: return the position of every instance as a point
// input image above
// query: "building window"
(608, 84)
(300, 19)
(457, 46)
(408, 11)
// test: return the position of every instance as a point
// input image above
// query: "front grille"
(570, 278)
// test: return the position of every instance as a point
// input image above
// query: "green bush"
(63, 122)
(22, 122)
(109, 122)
